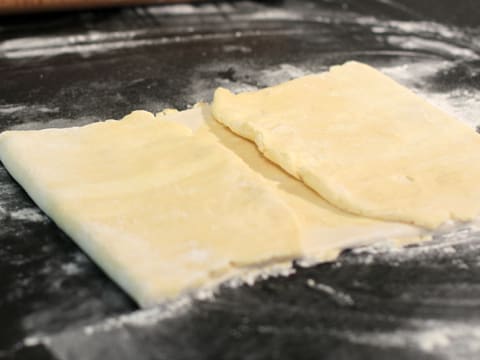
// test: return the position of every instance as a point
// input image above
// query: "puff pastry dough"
(365, 143)
(161, 210)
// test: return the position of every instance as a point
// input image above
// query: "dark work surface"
(422, 302)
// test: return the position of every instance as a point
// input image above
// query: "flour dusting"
(29, 214)
(280, 74)
(35, 340)
(454, 339)
(146, 317)
(338, 296)
(71, 268)
(183, 9)
(237, 48)
(10, 109)
(27, 110)
(462, 103)
(3, 213)
(54, 123)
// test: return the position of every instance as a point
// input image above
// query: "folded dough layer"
(365, 143)
(162, 211)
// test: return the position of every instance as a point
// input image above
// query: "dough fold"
(325, 229)
(365, 143)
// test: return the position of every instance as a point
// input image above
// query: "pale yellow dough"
(364, 143)
(325, 230)
(162, 211)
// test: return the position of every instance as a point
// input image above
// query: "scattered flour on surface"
(28, 109)
(414, 74)
(145, 317)
(71, 268)
(436, 46)
(35, 340)
(276, 14)
(456, 340)
(181, 9)
(186, 9)
(462, 103)
(413, 27)
(42, 42)
(249, 276)
(237, 48)
(29, 214)
(54, 123)
(267, 77)
(340, 297)
(10, 109)
(280, 74)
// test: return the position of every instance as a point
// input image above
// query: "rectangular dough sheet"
(161, 210)
(365, 143)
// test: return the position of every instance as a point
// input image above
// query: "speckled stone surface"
(58, 70)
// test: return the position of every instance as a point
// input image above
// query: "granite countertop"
(56, 70)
